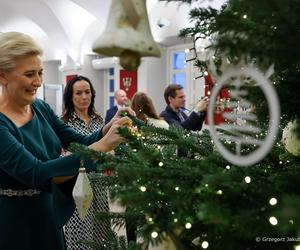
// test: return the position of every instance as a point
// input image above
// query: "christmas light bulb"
(160, 164)
(176, 188)
(273, 201)
(204, 244)
(245, 16)
(154, 235)
(273, 221)
(188, 225)
(247, 179)
(143, 189)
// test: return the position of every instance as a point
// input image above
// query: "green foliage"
(163, 192)
(112, 242)
(264, 32)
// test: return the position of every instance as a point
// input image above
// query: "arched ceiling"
(67, 28)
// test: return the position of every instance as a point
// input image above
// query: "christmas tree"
(201, 200)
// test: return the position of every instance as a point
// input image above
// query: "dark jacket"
(110, 113)
(192, 122)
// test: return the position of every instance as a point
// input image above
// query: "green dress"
(29, 158)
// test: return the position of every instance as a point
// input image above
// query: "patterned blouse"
(87, 229)
(80, 126)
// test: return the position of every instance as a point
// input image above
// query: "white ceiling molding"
(105, 63)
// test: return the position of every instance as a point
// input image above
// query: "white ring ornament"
(274, 110)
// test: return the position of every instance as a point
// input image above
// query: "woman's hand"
(117, 117)
(112, 139)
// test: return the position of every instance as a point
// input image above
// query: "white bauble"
(290, 140)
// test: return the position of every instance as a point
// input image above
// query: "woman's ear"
(3, 79)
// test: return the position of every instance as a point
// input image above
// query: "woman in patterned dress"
(79, 113)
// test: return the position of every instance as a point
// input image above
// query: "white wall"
(51, 73)
(97, 79)
(152, 75)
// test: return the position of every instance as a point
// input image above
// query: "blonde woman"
(35, 201)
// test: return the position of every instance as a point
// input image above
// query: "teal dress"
(33, 209)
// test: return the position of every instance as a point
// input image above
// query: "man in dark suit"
(121, 100)
(174, 112)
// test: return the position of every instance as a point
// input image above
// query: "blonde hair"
(14, 45)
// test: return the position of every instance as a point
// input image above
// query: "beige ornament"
(127, 34)
(82, 193)
(290, 140)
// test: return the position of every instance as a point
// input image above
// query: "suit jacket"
(110, 114)
(192, 122)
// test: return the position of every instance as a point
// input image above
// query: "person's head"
(121, 97)
(79, 96)
(174, 96)
(20, 67)
(143, 107)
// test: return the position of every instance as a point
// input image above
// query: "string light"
(177, 188)
(247, 179)
(204, 244)
(273, 201)
(245, 16)
(188, 225)
(297, 247)
(273, 221)
(175, 220)
(160, 164)
(154, 235)
(143, 189)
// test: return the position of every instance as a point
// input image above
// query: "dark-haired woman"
(80, 114)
